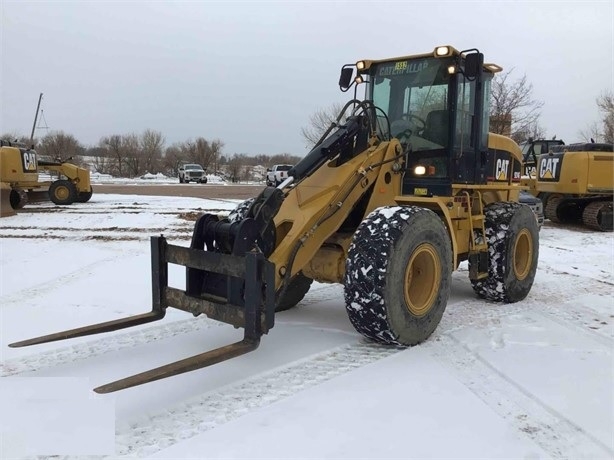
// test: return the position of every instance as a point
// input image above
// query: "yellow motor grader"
(20, 180)
(388, 203)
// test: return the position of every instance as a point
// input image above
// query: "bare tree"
(59, 146)
(173, 157)
(592, 133)
(319, 122)
(513, 109)
(605, 102)
(203, 152)
(16, 138)
(133, 154)
(602, 131)
(112, 145)
(236, 165)
(152, 143)
(216, 150)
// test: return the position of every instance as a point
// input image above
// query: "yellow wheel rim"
(422, 279)
(62, 193)
(523, 254)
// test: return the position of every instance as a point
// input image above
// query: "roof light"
(360, 65)
(442, 51)
(494, 68)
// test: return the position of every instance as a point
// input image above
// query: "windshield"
(194, 167)
(414, 96)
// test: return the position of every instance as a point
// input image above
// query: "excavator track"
(550, 210)
(598, 216)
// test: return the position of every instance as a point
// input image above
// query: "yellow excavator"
(388, 203)
(575, 182)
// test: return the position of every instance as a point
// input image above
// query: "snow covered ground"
(530, 380)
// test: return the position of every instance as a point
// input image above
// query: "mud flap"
(253, 310)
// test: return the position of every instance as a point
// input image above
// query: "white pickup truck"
(192, 172)
(277, 174)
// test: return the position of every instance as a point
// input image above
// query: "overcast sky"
(252, 73)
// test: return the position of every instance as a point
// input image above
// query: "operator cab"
(437, 106)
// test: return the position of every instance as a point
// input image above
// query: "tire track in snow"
(203, 413)
(41, 289)
(552, 431)
(576, 316)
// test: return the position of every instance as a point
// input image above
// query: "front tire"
(512, 235)
(398, 275)
(84, 197)
(63, 192)
(18, 198)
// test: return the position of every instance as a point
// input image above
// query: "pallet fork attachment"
(246, 275)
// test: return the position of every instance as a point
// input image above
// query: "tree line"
(134, 155)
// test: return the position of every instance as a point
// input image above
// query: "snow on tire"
(397, 275)
(513, 249)
(240, 211)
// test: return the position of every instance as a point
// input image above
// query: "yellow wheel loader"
(19, 175)
(575, 182)
(388, 203)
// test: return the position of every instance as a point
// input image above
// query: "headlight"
(419, 170)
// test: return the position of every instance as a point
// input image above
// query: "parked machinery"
(20, 171)
(575, 182)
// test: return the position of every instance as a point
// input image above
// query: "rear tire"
(398, 274)
(513, 250)
(300, 284)
(298, 288)
(63, 192)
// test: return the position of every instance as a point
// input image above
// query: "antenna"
(40, 98)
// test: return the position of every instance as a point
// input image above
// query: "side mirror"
(473, 65)
(345, 79)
